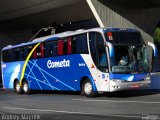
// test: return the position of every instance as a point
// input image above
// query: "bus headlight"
(148, 77)
(118, 80)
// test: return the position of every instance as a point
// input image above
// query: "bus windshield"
(129, 52)
(129, 59)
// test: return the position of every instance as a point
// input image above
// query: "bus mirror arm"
(155, 50)
(111, 48)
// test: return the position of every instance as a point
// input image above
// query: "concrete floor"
(60, 106)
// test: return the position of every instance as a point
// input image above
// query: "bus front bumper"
(120, 86)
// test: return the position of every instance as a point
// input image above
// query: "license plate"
(135, 86)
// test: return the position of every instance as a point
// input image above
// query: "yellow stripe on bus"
(26, 61)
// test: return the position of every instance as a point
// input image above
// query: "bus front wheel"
(87, 88)
(18, 88)
(25, 87)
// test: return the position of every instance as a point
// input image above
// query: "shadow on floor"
(131, 93)
(121, 94)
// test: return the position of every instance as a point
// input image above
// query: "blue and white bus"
(91, 61)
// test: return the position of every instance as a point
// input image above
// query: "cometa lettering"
(57, 64)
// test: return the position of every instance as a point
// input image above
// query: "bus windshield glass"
(129, 52)
(129, 59)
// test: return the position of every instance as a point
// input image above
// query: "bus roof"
(66, 34)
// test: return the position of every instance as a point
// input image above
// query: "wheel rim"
(88, 88)
(17, 87)
(25, 87)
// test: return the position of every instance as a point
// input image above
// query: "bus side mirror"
(155, 50)
(111, 49)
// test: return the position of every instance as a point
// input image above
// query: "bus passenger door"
(99, 56)
(102, 68)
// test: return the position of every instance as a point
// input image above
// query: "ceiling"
(10, 9)
(30, 14)
(156, 3)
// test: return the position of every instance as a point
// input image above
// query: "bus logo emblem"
(57, 64)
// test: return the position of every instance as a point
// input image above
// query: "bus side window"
(16, 55)
(93, 45)
(20, 54)
(35, 54)
(48, 49)
(99, 39)
(65, 46)
(4, 56)
(69, 47)
(54, 48)
(29, 50)
(73, 45)
(25, 52)
(80, 44)
(60, 47)
(97, 49)
(11, 55)
(39, 52)
(102, 62)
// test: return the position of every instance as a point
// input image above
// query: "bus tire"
(18, 88)
(87, 89)
(25, 87)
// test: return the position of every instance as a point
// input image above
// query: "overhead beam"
(94, 11)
